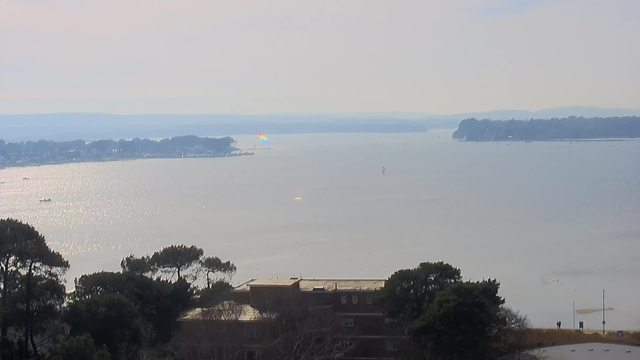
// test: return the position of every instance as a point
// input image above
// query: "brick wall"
(241, 297)
(361, 305)
(213, 339)
(271, 298)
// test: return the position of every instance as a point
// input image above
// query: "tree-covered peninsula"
(52, 152)
(571, 128)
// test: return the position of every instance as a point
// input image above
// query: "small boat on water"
(45, 200)
(25, 178)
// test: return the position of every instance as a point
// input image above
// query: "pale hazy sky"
(272, 56)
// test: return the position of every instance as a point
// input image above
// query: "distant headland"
(51, 152)
(95, 126)
(570, 128)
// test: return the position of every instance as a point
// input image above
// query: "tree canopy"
(437, 316)
(213, 265)
(111, 320)
(140, 266)
(176, 259)
(82, 348)
(461, 321)
(158, 302)
(109, 314)
(31, 281)
(133, 314)
(43, 151)
(551, 129)
(408, 293)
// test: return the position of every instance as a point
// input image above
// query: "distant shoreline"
(46, 152)
(593, 140)
(556, 140)
(567, 129)
(123, 159)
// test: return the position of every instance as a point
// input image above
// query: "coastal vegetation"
(436, 315)
(52, 152)
(570, 128)
(130, 314)
(133, 314)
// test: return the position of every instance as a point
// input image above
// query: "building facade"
(351, 318)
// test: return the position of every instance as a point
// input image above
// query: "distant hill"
(571, 128)
(560, 112)
(94, 126)
(89, 126)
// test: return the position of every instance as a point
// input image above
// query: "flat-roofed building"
(349, 302)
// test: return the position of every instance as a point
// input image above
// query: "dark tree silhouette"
(213, 265)
(111, 320)
(408, 293)
(462, 322)
(176, 259)
(139, 266)
(27, 261)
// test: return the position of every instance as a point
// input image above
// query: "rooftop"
(342, 284)
(228, 310)
(310, 284)
(273, 282)
(264, 282)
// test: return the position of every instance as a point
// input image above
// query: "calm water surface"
(555, 222)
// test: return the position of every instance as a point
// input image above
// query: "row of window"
(251, 331)
(354, 299)
(348, 344)
(348, 322)
(390, 346)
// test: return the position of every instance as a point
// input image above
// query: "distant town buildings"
(52, 152)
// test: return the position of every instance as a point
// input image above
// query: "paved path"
(581, 352)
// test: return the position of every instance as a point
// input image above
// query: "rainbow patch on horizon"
(263, 138)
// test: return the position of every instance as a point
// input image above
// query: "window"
(343, 299)
(354, 299)
(250, 331)
(391, 346)
(348, 344)
(369, 300)
(250, 355)
(347, 322)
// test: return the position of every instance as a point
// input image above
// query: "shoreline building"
(333, 318)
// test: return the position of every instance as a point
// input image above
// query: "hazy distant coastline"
(95, 126)
(45, 152)
(567, 129)
(73, 126)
